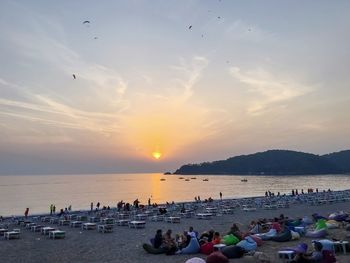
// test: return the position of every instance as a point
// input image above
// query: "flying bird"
(74, 77)
(95, 37)
(190, 27)
(219, 17)
(86, 22)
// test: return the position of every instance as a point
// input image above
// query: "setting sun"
(156, 155)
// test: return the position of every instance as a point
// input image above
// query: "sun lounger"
(186, 214)
(88, 226)
(37, 228)
(24, 223)
(57, 234)
(3, 231)
(172, 219)
(12, 235)
(64, 222)
(341, 244)
(206, 216)
(211, 210)
(75, 224)
(82, 218)
(137, 224)
(249, 209)
(157, 218)
(54, 220)
(227, 211)
(140, 217)
(72, 217)
(29, 226)
(108, 221)
(105, 228)
(123, 222)
(123, 216)
(46, 230)
(45, 219)
(94, 219)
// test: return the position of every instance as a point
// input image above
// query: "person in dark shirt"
(158, 239)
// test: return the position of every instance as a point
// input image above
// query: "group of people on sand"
(173, 245)
(178, 244)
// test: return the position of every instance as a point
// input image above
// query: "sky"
(183, 81)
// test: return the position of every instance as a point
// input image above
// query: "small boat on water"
(187, 179)
(181, 178)
(193, 177)
(162, 179)
(205, 180)
(244, 180)
(167, 173)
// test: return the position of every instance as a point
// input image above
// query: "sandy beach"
(125, 245)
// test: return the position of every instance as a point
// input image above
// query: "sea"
(38, 192)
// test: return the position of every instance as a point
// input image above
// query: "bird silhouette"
(74, 77)
(86, 22)
(190, 27)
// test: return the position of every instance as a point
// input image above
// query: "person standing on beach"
(98, 205)
(26, 212)
(91, 206)
(220, 196)
(51, 209)
(54, 209)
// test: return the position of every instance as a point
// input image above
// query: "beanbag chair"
(340, 217)
(283, 237)
(269, 235)
(233, 251)
(248, 244)
(332, 224)
(257, 240)
(317, 233)
(320, 224)
(192, 248)
(207, 248)
(195, 260)
(295, 235)
(150, 249)
(217, 257)
(230, 240)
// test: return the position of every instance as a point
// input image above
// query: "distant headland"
(274, 162)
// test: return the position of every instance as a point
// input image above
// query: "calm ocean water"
(38, 192)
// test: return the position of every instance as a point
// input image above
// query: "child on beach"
(169, 243)
(235, 231)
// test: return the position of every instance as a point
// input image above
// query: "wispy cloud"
(267, 89)
(191, 74)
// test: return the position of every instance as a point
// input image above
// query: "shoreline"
(238, 199)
